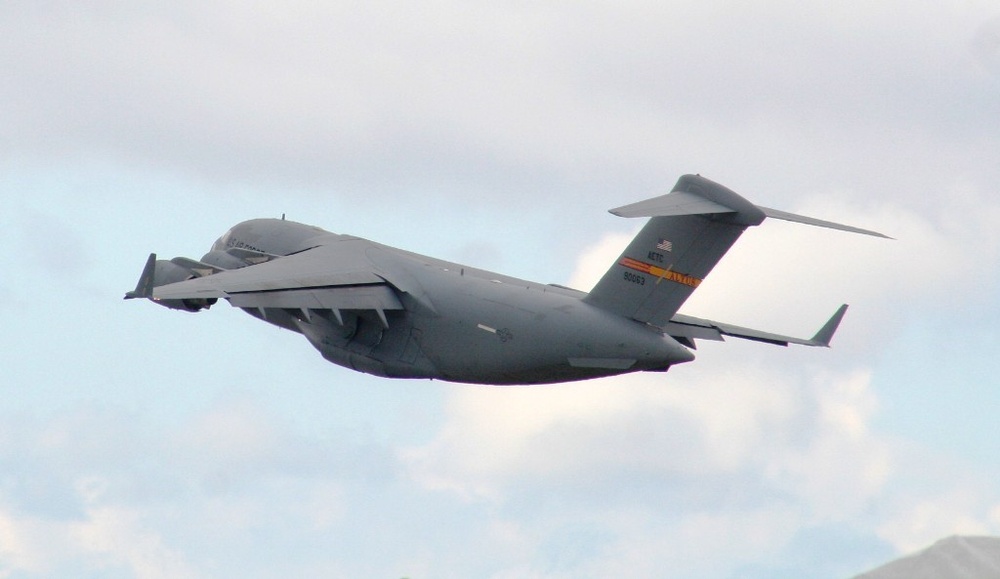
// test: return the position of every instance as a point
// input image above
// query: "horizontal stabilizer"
(676, 203)
(785, 216)
(695, 195)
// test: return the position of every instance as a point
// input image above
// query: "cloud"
(986, 46)
(701, 465)
(93, 489)
(505, 102)
(595, 260)
(725, 466)
(121, 538)
(25, 545)
(113, 541)
(636, 427)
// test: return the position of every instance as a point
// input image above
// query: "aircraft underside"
(398, 348)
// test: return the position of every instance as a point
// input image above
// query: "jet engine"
(166, 272)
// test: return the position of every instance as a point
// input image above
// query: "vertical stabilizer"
(690, 229)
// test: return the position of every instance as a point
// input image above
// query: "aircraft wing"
(689, 328)
(328, 277)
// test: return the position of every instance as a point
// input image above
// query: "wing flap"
(369, 297)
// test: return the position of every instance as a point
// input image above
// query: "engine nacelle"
(167, 272)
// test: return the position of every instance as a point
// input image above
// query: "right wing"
(688, 328)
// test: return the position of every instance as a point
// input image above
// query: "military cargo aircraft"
(393, 313)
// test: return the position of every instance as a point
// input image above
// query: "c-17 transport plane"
(393, 313)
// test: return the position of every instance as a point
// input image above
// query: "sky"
(137, 441)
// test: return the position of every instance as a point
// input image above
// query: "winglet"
(144, 288)
(825, 334)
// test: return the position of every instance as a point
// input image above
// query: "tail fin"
(690, 229)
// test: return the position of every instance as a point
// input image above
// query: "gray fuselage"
(457, 323)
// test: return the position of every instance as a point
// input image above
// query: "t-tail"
(690, 229)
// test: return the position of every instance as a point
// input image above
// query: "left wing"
(329, 277)
(688, 328)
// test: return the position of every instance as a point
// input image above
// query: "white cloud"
(596, 259)
(106, 539)
(25, 545)
(844, 465)
(120, 538)
(340, 95)
(699, 447)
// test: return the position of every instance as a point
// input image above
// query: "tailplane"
(689, 231)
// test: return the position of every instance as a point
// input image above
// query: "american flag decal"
(665, 245)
